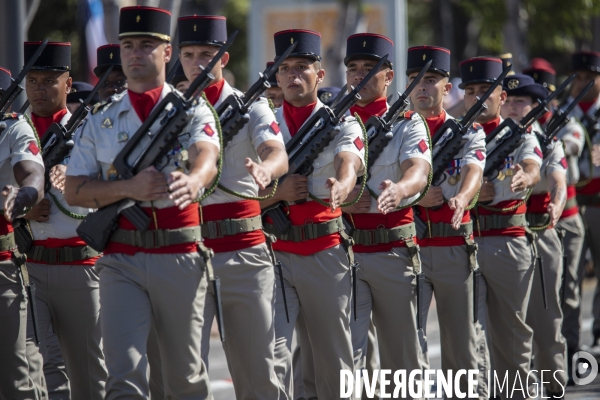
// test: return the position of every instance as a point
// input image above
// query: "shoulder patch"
(479, 154)
(538, 152)
(12, 115)
(101, 106)
(563, 162)
(408, 114)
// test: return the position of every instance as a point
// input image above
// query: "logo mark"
(581, 368)
(137, 19)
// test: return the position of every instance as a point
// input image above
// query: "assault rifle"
(559, 120)
(233, 111)
(450, 137)
(379, 129)
(511, 134)
(57, 142)
(97, 227)
(310, 141)
(15, 88)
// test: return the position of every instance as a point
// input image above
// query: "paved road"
(223, 389)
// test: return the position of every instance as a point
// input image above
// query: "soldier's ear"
(320, 76)
(503, 96)
(168, 52)
(69, 83)
(447, 87)
(389, 77)
(225, 59)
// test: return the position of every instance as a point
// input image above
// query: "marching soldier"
(156, 279)
(59, 262)
(404, 163)
(231, 221)
(313, 252)
(500, 224)
(443, 212)
(274, 93)
(107, 56)
(22, 175)
(587, 66)
(544, 208)
(570, 225)
(79, 91)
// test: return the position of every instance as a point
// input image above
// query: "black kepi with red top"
(542, 72)
(55, 57)
(369, 46)
(418, 56)
(586, 61)
(202, 30)
(145, 21)
(107, 55)
(479, 70)
(308, 43)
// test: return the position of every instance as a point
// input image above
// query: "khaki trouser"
(591, 216)
(68, 303)
(55, 372)
(387, 288)
(573, 241)
(321, 285)
(303, 365)
(15, 382)
(247, 296)
(549, 345)
(137, 291)
(507, 266)
(449, 277)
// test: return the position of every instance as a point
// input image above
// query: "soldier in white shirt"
(22, 180)
(313, 253)
(544, 208)
(157, 279)
(231, 221)
(499, 223)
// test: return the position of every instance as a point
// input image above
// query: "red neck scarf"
(377, 107)
(544, 118)
(434, 123)
(296, 116)
(586, 105)
(489, 126)
(143, 103)
(43, 123)
(213, 92)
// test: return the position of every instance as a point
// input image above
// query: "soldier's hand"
(14, 206)
(261, 175)
(519, 179)
(555, 213)
(432, 198)
(337, 193)
(486, 193)
(149, 184)
(390, 196)
(363, 205)
(58, 176)
(40, 212)
(183, 189)
(294, 188)
(458, 204)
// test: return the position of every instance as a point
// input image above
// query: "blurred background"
(526, 28)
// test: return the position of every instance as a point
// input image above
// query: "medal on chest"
(112, 173)
(453, 172)
(508, 163)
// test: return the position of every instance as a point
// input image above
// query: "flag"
(91, 25)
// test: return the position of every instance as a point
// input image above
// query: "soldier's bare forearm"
(274, 158)
(532, 172)
(471, 181)
(203, 163)
(347, 166)
(90, 192)
(30, 177)
(558, 192)
(414, 176)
